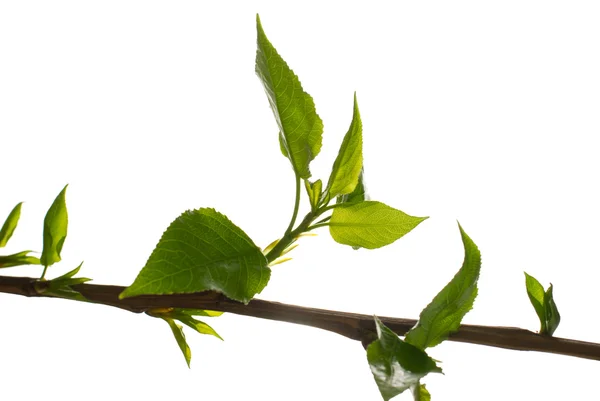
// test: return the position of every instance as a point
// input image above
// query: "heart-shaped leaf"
(203, 250)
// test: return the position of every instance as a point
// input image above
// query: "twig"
(352, 325)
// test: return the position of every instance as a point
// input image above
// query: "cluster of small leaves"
(56, 223)
(544, 305)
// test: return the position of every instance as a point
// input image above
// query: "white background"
(485, 114)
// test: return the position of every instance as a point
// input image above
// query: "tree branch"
(352, 325)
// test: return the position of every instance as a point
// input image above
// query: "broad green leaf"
(536, 294)
(55, 230)
(552, 315)
(444, 314)
(359, 194)
(300, 127)
(197, 325)
(313, 190)
(8, 228)
(420, 393)
(203, 250)
(370, 224)
(348, 163)
(180, 338)
(396, 365)
(18, 259)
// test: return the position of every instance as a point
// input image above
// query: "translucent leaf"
(370, 224)
(444, 314)
(203, 250)
(536, 295)
(55, 230)
(300, 127)
(18, 259)
(396, 365)
(197, 325)
(313, 190)
(180, 338)
(348, 164)
(359, 194)
(8, 228)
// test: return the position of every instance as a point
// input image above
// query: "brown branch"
(352, 325)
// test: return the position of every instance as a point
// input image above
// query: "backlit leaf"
(55, 230)
(300, 127)
(8, 228)
(396, 365)
(370, 224)
(313, 190)
(444, 314)
(203, 250)
(359, 194)
(536, 294)
(348, 163)
(18, 259)
(552, 315)
(420, 393)
(180, 338)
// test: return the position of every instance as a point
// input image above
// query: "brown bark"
(352, 325)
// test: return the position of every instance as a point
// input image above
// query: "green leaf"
(197, 325)
(203, 250)
(62, 286)
(300, 127)
(18, 259)
(313, 190)
(180, 338)
(200, 312)
(370, 224)
(444, 314)
(536, 295)
(359, 194)
(420, 393)
(396, 365)
(348, 164)
(55, 230)
(552, 315)
(8, 228)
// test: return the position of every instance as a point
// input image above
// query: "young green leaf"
(18, 259)
(396, 365)
(203, 250)
(313, 190)
(359, 194)
(55, 230)
(370, 224)
(420, 392)
(444, 314)
(300, 126)
(348, 163)
(8, 228)
(536, 294)
(180, 338)
(197, 325)
(552, 315)
(62, 286)
(544, 305)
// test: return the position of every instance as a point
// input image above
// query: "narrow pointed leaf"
(396, 365)
(55, 230)
(552, 315)
(348, 163)
(300, 127)
(203, 250)
(536, 295)
(8, 228)
(420, 393)
(200, 312)
(370, 224)
(18, 259)
(359, 194)
(444, 314)
(180, 338)
(313, 190)
(197, 325)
